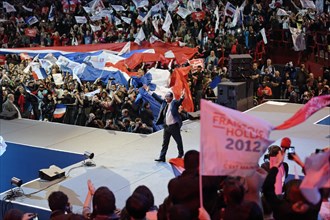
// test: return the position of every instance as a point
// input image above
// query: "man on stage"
(170, 117)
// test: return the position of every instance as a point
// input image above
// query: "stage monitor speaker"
(232, 95)
(52, 173)
(194, 115)
(239, 65)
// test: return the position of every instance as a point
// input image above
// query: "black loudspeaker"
(8, 115)
(194, 115)
(233, 95)
(239, 65)
(51, 173)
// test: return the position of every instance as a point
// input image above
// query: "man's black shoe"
(160, 160)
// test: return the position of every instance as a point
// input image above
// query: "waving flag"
(183, 12)
(9, 8)
(140, 3)
(3, 146)
(81, 19)
(167, 23)
(230, 9)
(27, 9)
(32, 20)
(140, 36)
(306, 111)
(118, 7)
(96, 6)
(60, 110)
(126, 19)
(51, 14)
(317, 168)
(38, 72)
(298, 39)
(231, 142)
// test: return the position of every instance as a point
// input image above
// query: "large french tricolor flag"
(59, 111)
(38, 72)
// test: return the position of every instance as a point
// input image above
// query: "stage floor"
(125, 161)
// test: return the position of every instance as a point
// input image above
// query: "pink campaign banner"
(231, 142)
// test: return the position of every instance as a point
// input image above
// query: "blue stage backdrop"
(24, 162)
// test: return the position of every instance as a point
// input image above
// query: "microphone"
(286, 143)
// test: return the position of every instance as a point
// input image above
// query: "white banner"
(126, 19)
(3, 146)
(317, 168)
(140, 36)
(263, 34)
(307, 4)
(183, 12)
(118, 7)
(95, 28)
(58, 79)
(298, 39)
(140, 3)
(9, 8)
(167, 23)
(231, 142)
(81, 19)
(96, 17)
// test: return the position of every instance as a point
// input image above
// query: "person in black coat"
(170, 117)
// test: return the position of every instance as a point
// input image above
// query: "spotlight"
(16, 191)
(88, 155)
(16, 182)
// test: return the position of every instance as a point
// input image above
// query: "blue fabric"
(24, 162)
(215, 82)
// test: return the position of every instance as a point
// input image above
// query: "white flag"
(125, 49)
(198, 4)
(58, 79)
(9, 8)
(298, 39)
(263, 34)
(199, 37)
(317, 168)
(32, 20)
(307, 4)
(153, 39)
(3, 146)
(230, 9)
(140, 3)
(155, 24)
(95, 28)
(217, 22)
(167, 23)
(117, 21)
(81, 19)
(190, 6)
(126, 19)
(96, 6)
(118, 7)
(158, 7)
(183, 12)
(281, 12)
(87, 9)
(27, 9)
(231, 142)
(140, 36)
(96, 17)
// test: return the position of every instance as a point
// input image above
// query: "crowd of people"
(268, 194)
(56, 25)
(43, 23)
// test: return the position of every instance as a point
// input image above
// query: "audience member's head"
(58, 201)
(13, 214)
(104, 201)
(179, 212)
(233, 191)
(191, 160)
(137, 206)
(145, 191)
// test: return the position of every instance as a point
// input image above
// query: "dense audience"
(224, 197)
(115, 107)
